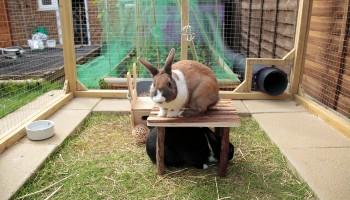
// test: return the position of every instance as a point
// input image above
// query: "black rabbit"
(187, 146)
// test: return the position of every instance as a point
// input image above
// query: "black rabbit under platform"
(222, 116)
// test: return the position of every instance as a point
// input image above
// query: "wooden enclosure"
(328, 33)
(326, 75)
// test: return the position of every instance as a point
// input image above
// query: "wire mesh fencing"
(220, 34)
(326, 76)
(31, 60)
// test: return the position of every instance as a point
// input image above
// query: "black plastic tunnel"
(267, 79)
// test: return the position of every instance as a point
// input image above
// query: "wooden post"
(160, 150)
(224, 132)
(68, 44)
(248, 75)
(184, 22)
(301, 35)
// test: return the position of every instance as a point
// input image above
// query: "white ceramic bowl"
(40, 130)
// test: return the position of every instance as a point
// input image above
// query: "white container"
(51, 43)
(36, 44)
(40, 130)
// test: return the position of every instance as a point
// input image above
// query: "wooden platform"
(222, 116)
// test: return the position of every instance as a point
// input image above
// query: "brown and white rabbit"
(184, 84)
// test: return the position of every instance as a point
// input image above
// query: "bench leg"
(224, 150)
(160, 150)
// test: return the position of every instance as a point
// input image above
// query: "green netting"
(150, 28)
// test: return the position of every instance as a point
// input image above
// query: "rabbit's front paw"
(173, 113)
(162, 112)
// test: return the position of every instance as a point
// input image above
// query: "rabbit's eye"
(169, 84)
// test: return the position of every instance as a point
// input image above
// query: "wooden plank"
(224, 150)
(119, 94)
(211, 113)
(252, 95)
(266, 61)
(224, 110)
(196, 124)
(160, 150)
(248, 76)
(330, 117)
(143, 103)
(122, 94)
(81, 86)
(302, 29)
(68, 44)
(13, 135)
(184, 22)
(130, 89)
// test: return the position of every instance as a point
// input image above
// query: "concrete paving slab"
(113, 105)
(82, 103)
(326, 170)
(241, 108)
(20, 161)
(272, 106)
(18, 164)
(66, 121)
(295, 130)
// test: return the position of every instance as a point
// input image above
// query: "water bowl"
(40, 130)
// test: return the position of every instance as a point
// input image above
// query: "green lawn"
(102, 161)
(14, 96)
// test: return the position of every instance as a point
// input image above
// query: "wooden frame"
(243, 91)
(184, 22)
(301, 36)
(68, 44)
(119, 94)
(74, 88)
(246, 85)
(221, 117)
(13, 135)
(330, 117)
(140, 106)
(70, 85)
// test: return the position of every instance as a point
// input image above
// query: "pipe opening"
(272, 81)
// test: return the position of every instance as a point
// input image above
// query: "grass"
(102, 161)
(14, 96)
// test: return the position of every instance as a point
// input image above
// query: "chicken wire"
(326, 76)
(223, 34)
(30, 79)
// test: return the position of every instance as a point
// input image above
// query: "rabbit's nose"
(158, 98)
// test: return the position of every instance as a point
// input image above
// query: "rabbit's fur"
(187, 146)
(184, 84)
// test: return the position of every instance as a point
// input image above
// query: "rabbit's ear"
(154, 71)
(169, 61)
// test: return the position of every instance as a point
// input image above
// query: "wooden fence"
(5, 35)
(268, 27)
(326, 76)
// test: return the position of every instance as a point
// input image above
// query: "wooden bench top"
(223, 114)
